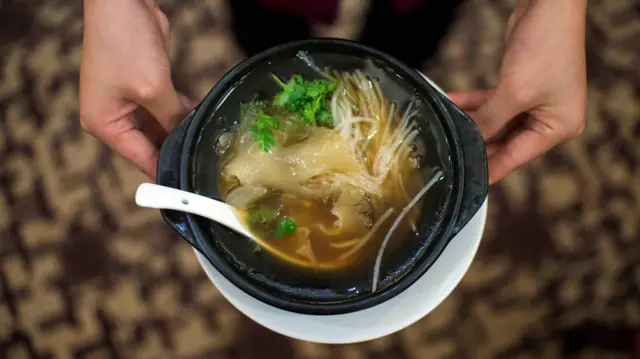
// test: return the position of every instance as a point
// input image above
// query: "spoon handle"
(161, 197)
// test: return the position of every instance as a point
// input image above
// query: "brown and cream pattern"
(86, 274)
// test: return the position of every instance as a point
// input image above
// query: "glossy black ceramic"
(462, 194)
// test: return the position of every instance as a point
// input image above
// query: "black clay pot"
(189, 162)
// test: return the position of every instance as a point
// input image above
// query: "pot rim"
(439, 238)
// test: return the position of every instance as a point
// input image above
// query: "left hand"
(540, 100)
(127, 97)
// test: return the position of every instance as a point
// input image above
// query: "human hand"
(540, 100)
(127, 98)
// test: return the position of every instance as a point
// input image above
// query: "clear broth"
(353, 279)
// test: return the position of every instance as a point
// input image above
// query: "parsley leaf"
(306, 98)
(323, 117)
(263, 131)
(262, 215)
(318, 88)
(292, 92)
(286, 227)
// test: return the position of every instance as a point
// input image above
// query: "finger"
(137, 148)
(520, 148)
(163, 102)
(499, 108)
(491, 148)
(187, 101)
(131, 142)
(144, 121)
(470, 100)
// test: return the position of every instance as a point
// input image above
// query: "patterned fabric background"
(86, 274)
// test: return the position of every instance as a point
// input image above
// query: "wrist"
(578, 4)
(90, 6)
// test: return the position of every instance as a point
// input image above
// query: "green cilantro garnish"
(264, 218)
(263, 130)
(262, 215)
(323, 117)
(286, 227)
(292, 94)
(306, 98)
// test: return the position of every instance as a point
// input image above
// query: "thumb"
(470, 100)
(498, 110)
(188, 102)
(519, 148)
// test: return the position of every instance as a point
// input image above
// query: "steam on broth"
(327, 172)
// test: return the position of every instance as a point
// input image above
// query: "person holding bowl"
(128, 100)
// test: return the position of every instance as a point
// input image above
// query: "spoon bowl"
(151, 195)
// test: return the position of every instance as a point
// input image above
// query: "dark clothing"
(325, 11)
(409, 30)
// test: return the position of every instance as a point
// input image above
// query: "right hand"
(540, 100)
(127, 98)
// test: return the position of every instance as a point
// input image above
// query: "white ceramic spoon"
(155, 196)
(160, 197)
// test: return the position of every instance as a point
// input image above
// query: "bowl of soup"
(351, 170)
